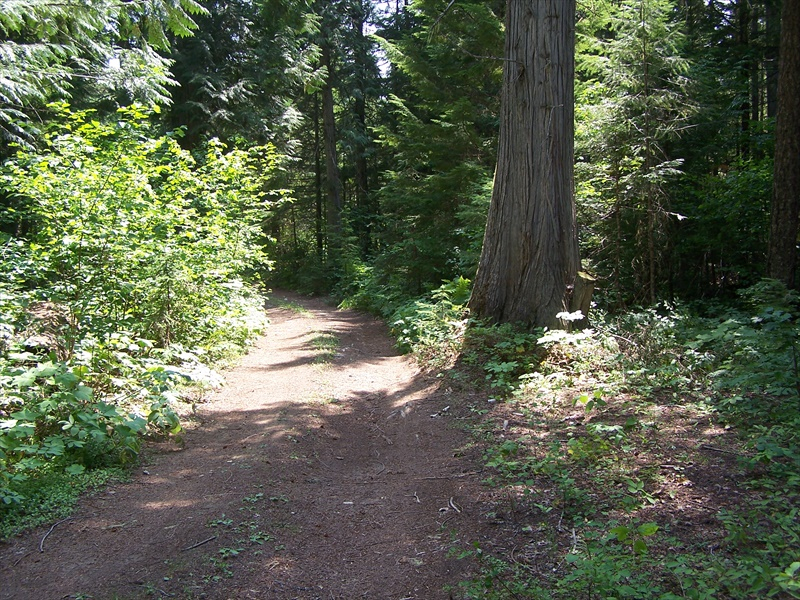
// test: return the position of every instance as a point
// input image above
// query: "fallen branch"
(193, 546)
(41, 544)
(722, 450)
(20, 558)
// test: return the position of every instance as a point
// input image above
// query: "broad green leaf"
(647, 529)
(75, 469)
(621, 532)
(639, 547)
(83, 393)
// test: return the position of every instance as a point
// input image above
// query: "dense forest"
(165, 162)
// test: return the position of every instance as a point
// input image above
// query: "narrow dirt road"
(325, 468)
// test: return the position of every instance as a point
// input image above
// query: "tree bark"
(743, 18)
(318, 223)
(334, 179)
(360, 109)
(782, 256)
(771, 56)
(530, 259)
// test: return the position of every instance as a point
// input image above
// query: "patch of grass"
(326, 345)
(295, 307)
(51, 496)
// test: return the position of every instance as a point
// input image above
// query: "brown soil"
(329, 467)
(325, 468)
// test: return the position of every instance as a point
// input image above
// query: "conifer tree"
(529, 262)
(45, 47)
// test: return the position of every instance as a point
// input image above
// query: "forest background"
(165, 160)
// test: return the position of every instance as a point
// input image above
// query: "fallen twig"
(722, 450)
(213, 537)
(49, 531)
(447, 476)
(453, 505)
(16, 562)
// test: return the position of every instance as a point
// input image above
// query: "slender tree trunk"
(360, 110)
(771, 56)
(651, 202)
(618, 241)
(743, 17)
(782, 256)
(755, 69)
(334, 179)
(529, 260)
(318, 181)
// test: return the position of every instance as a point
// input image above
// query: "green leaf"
(622, 532)
(639, 547)
(25, 415)
(24, 380)
(647, 529)
(83, 393)
(75, 469)
(66, 380)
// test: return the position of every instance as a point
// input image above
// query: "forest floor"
(327, 467)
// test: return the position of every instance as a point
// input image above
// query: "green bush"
(122, 275)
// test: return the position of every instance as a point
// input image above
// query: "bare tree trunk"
(530, 259)
(360, 110)
(771, 57)
(318, 223)
(755, 68)
(331, 161)
(782, 257)
(743, 17)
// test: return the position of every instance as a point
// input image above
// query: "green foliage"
(48, 48)
(430, 327)
(437, 142)
(124, 275)
(49, 496)
(504, 352)
(632, 102)
(592, 472)
(362, 288)
(724, 238)
(130, 232)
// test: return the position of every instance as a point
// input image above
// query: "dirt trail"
(325, 468)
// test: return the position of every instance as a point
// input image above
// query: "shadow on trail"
(308, 478)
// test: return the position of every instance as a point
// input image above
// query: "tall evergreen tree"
(635, 103)
(786, 194)
(437, 140)
(529, 261)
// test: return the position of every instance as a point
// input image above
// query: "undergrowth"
(122, 282)
(656, 455)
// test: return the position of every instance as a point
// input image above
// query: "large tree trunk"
(771, 56)
(360, 109)
(530, 259)
(782, 259)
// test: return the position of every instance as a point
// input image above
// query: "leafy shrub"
(122, 277)
(433, 327)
